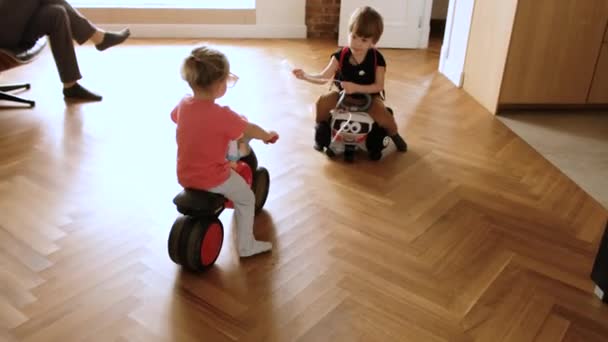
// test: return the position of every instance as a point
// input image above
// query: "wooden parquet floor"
(469, 236)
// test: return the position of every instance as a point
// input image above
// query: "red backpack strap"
(338, 73)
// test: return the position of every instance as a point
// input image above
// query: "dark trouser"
(377, 111)
(63, 24)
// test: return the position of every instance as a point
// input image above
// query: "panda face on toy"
(351, 128)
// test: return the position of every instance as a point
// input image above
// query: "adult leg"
(53, 20)
(84, 30)
(386, 120)
(237, 190)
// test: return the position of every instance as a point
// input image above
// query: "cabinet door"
(599, 87)
(553, 51)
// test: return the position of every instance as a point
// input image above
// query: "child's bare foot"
(253, 247)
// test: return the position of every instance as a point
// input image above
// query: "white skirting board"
(210, 31)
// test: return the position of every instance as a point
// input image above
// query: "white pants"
(236, 189)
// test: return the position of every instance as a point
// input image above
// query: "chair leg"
(8, 97)
(9, 87)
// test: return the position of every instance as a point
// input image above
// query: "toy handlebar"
(354, 107)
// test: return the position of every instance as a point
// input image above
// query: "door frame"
(455, 40)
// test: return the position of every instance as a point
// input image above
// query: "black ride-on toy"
(197, 235)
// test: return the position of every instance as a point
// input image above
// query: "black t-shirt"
(363, 73)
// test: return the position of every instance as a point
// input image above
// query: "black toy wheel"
(349, 154)
(375, 155)
(376, 142)
(322, 134)
(260, 186)
(203, 244)
(175, 237)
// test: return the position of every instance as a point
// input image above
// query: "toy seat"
(357, 102)
(199, 203)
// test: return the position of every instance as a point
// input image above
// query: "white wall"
(281, 18)
(274, 19)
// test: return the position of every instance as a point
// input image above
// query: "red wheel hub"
(212, 243)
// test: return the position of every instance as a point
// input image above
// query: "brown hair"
(366, 22)
(204, 67)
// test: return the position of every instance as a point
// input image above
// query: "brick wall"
(322, 18)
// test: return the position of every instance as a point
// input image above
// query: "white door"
(455, 40)
(406, 22)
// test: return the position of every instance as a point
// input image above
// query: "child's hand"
(299, 74)
(349, 87)
(233, 164)
(271, 138)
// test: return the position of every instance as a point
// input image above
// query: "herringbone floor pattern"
(469, 236)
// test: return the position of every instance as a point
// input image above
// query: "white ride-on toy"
(351, 129)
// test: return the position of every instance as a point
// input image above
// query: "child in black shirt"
(359, 68)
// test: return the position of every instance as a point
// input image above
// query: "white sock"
(252, 247)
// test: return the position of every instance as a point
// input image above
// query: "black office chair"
(11, 58)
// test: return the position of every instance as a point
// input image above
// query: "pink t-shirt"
(204, 130)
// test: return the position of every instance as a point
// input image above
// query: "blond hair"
(366, 22)
(204, 67)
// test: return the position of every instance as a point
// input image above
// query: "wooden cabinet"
(537, 53)
(553, 51)
(599, 86)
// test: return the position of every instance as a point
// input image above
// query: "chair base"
(4, 96)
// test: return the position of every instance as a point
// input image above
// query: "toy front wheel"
(260, 186)
(251, 160)
(349, 154)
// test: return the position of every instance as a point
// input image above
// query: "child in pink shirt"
(204, 130)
